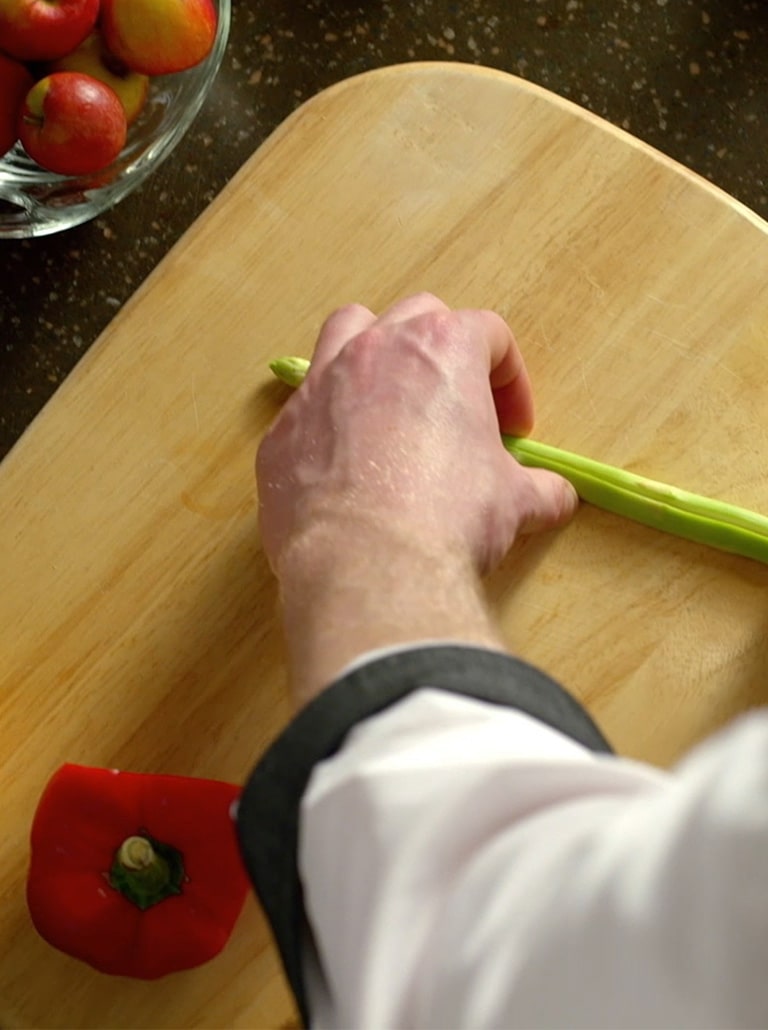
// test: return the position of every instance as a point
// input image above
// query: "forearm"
(349, 586)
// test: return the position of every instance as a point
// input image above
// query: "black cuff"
(268, 815)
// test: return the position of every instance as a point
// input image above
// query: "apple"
(158, 37)
(15, 83)
(93, 58)
(72, 124)
(44, 30)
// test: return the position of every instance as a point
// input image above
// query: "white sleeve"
(465, 865)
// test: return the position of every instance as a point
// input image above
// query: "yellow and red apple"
(15, 83)
(158, 37)
(93, 58)
(44, 30)
(72, 124)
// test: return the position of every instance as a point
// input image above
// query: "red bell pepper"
(138, 875)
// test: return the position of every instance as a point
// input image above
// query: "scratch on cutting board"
(689, 348)
(197, 414)
(686, 348)
(666, 303)
(543, 340)
(588, 394)
(599, 290)
(721, 366)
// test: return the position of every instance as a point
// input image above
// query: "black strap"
(268, 815)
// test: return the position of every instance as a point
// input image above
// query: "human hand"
(396, 431)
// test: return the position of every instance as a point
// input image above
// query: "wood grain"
(137, 620)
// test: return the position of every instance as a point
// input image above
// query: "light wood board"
(137, 616)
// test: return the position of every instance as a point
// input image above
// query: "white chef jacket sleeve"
(269, 807)
(475, 861)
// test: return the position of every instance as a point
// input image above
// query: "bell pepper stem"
(679, 512)
(136, 853)
(146, 871)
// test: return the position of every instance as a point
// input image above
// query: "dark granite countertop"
(690, 77)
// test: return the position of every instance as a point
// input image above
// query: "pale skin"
(385, 492)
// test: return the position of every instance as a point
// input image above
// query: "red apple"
(43, 30)
(72, 124)
(93, 58)
(158, 37)
(15, 83)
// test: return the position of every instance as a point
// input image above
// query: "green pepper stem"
(679, 512)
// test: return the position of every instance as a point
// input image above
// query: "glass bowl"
(35, 202)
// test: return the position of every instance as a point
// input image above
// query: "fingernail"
(572, 498)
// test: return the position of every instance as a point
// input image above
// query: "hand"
(397, 427)
(385, 489)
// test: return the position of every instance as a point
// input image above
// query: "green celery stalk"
(667, 508)
(290, 370)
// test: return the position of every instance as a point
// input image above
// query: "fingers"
(347, 322)
(512, 393)
(511, 386)
(337, 330)
(552, 501)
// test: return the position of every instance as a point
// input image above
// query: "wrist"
(351, 584)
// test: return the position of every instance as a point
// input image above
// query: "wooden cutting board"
(137, 618)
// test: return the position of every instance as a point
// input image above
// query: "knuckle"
(441, 331)
(425, 297)
(363, 343)
(341, 315)
(352, 308)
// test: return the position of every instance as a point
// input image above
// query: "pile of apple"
(74, 74)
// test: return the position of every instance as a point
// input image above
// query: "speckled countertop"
(689, 77)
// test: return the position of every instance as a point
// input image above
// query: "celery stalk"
(667, 508)
(290, 370)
